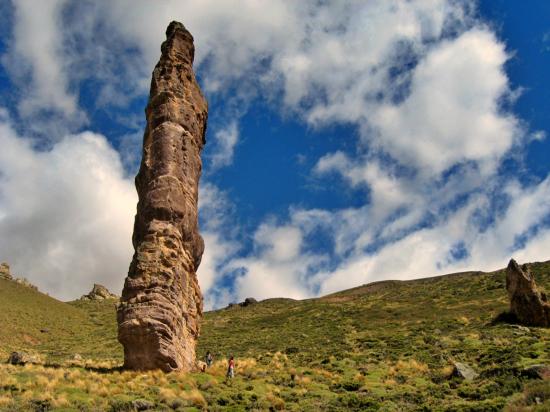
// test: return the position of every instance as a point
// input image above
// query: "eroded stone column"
(527, 302)
(161, 304)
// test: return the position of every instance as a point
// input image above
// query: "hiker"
(231, 368)
(208, 359)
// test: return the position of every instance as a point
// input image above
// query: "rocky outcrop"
(463, 371)
(248, 302)
(5, 271)
(26, 283)
(99, 292)
(243, 304)
(161, 303)
(22, 358)
(527, 303)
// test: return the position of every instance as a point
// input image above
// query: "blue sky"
(348, 142)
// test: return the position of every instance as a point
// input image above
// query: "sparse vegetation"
(387, 346)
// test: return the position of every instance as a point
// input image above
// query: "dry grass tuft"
(463, 320)
(409, 367)
(276, 403)
(195, 398)
(303, 380)
(5, 401)
(447, 370)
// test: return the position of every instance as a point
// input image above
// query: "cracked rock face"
(528, 303)
(161, 303)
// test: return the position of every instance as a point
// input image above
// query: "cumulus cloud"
(220, 234)
(452, 114)
(66, 214)
(279, 268)
(37, 64)
(425, 252)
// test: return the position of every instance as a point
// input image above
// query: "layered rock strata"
(527, 302)
(161, 303)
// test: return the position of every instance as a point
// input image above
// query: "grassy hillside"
(385, 346)
(34, 322)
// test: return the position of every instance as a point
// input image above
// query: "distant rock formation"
(244, 304)
(23, 358)
(5, 271)
(527, 303)
(99, 292)
(161, 303)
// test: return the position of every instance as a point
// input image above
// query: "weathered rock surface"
(99, 292)
(22, 358)
(5, 271)
(161, 303)
(463, 371)
(527, 303)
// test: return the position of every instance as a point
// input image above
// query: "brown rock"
(527, 303)
(161, 303)
(22, 358)
(540, 371)
(5, 271)
(99, 292)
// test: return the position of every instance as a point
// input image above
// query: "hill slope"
(388, 345)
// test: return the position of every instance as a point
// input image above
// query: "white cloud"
(280, 268)
(452, 114)
(66, 214)
(225, 139)
(425, 252)
(36, 61)
(219, 231)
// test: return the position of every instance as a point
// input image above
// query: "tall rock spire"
(527, 302)
(161, 304)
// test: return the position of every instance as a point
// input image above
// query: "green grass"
(34, 322)
(385, 346)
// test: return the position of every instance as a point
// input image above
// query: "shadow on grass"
(98, 369)
(506, 317)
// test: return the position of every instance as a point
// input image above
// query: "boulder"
(540, 371)
(142, 405)
(248, 302)
(22, 358)
(99, 292)
(464, 371)
(527, 302)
